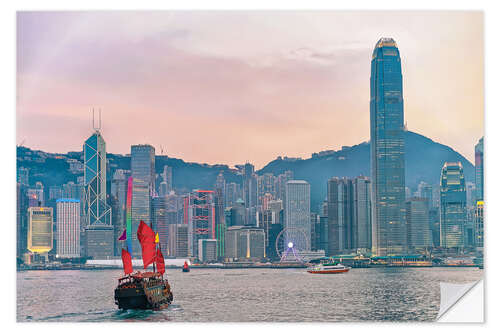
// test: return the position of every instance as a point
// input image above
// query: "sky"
(226, 87)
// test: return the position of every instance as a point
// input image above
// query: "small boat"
(185, 268)
(144, 290)
(328, 269)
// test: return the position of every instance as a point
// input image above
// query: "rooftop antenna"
(96, 128)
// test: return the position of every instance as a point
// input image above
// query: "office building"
(387, 150)
(417, 219)
(207, 250)
(245, 243)
(68, 228)
(40, 229)
(362, 214)
(99, 242)
(479, 164)
(178, 240)
(334, 235)
(298, 214)
(479, 226)
(453, 213)
(201, 218)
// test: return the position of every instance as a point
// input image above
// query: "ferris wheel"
(291, 242)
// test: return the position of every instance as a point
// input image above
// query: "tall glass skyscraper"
(387, 150)
(96, 209)
(453, 205)
(98, 224)
(143, 174)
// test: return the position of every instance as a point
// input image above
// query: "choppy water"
(292, 295)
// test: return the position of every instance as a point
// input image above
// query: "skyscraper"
(479, 163)
(387, 150)
(362, 212)
(142, 161)
(479, 225)
(417, 217)
(334, 239)
(40, 230)
(298, 213)
(201, 218)
(453, 205)
(98, 224)
(68, 228)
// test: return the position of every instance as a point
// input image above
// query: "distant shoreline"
(96, 268)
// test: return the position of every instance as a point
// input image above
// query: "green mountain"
(424, 160)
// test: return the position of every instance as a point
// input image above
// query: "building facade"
(68, 228)
(417, 219)
(453, 213)
(387, 150)
(142, 163)
(245, 243)
(40, 229)
(298, 214)
(479, 164)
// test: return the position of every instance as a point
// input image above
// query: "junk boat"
(328, 269)
(143, 290)
(185, 268)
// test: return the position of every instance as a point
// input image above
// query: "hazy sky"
(227, 87)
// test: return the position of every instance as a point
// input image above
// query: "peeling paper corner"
(451, 298)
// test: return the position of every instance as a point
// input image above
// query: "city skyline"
(292, 84)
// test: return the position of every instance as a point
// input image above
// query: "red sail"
(160, 262)
(127, 261)
(146, 237)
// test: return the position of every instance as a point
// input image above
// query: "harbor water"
(245, 295)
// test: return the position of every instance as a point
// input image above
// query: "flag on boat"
(160, 262)
(127, 261)
(124, 235)
(146, 237)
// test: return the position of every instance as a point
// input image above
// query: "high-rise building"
(220, 223)
(232, 193)
(119, 195)
(21, 219)
(40, 229)
(479, 225)
(68, 228)
(178, 240)
(249, 185)
(453, 214)
(417, 219)
(167, 178)
(362, 214)
(298, 214)
(334, 239)
(479, 164)
(387, 150)
(201, 218)
(159, 219)
(142, 161)
(98, 225)
(346, 212)
(426, 191)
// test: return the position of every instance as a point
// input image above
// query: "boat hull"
(144, 294)
(329, 271)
